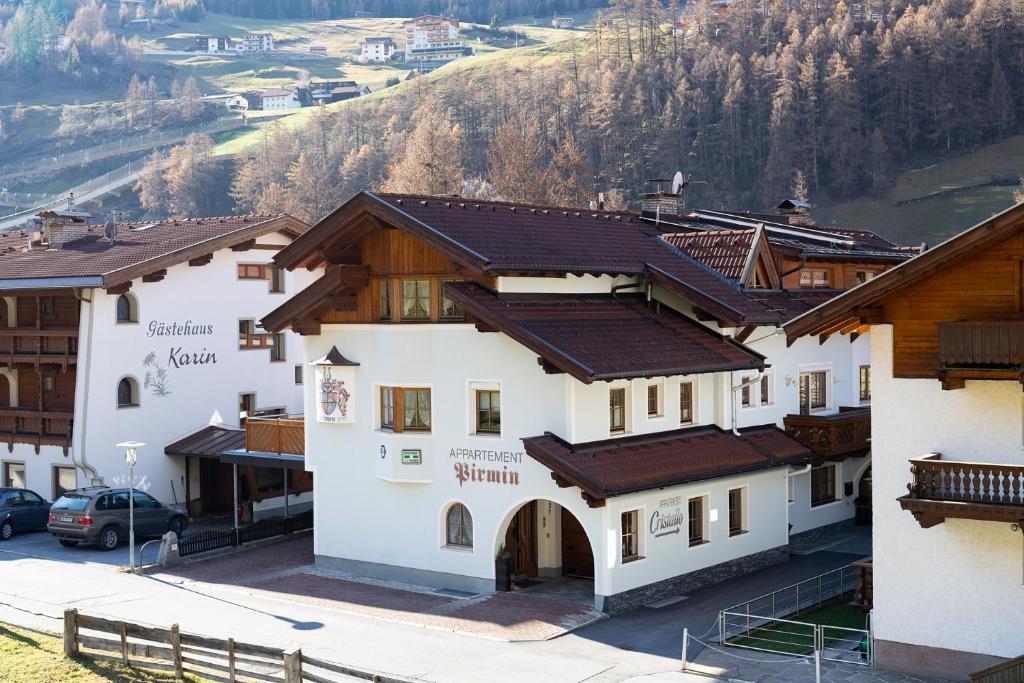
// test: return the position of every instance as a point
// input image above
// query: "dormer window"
(815, 278)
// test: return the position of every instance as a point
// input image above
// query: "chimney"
(796, 211)
(659, 202)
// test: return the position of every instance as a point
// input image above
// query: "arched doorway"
(549, 551)
(863, 500)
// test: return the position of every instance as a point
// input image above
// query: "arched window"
(459, 526)
(127, 309)
(127, 393)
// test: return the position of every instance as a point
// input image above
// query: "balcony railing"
(255, 340)
(48, 428)
(833, 437)
(993, 344)
(940, 489)
(281, 435)
(57, 346)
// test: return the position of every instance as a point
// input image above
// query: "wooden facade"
(836, 437)
(39, 349)
(841, 274)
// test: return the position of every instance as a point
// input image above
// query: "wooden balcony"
(846, 434)
(980, 349)
(255, 340)
(864, 594)
(940, 489)
(38, 347)
(47, 428)
(281, 435)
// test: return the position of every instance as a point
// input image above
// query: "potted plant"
(503, 569)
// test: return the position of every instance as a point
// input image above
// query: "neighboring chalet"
(563, 22)
(571, 390)
(146, 332)
(377, 49)
(274, 99)
(327, 92)
(947, 366)
(257, 43)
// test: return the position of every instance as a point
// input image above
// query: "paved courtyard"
(274, 597)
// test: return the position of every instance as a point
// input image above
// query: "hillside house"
(213, 44)
(563, 22)
(110, 334)
(257, 42)
(377, 49)
(431, 41)
(443, 350)
(274, 99)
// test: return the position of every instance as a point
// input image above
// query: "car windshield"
(71, 502)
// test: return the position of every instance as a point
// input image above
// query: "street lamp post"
(130, 448)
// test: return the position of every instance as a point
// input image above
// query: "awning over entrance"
(615, 467)
(209, 442)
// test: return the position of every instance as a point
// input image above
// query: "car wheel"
(110, 538)
(177, 525)
(6, 530)
(68, 544)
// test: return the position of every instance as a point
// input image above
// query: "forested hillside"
(465, 10)
(742, 98)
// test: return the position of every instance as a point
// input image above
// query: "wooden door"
(521, 541)
(215, 487)
(577, 555)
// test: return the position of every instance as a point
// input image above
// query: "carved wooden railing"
(38, 346)
(276, 435)
(863, 594)
(1009, 671)
(967, 482)
(845, 433)
(982, 344)
(38, 428)
(255, 340)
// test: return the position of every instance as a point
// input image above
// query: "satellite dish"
(677, 182)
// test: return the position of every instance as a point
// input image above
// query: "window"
(385, 299)
(14, 475)
(46, 305)
(686, 403)
(813, 391)
(48, 384)
(865, 383)
(253, 271)
(745, 393)
(276, 280)
(246, 407)
(277, 344)
(387, 408)
(791, 488)
(298, 374)
(416, 299)
(416, 410)
(630, 522)
(126, 309)
(697, 520)
(248, 338)
(127, 393)
(865, 275)
(815, 277)
(144, 500)
(63, 481)
(488, 412)
(459, 527)
(737, 512)
(823, 485)
(450, 310)
(617, 410)
(31, 498)
(766, 390)
(654, 400)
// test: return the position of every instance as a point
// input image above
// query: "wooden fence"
(1011, 671)
(214, 659)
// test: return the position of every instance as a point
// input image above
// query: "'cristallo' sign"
(668, 518)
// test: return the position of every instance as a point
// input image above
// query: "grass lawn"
(28, 657)
(799, 640)
(934, 220)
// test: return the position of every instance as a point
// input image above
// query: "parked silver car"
(98, 514)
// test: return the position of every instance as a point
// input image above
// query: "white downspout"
(735, 389)
(82, 372)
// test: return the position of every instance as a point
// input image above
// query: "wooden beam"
(306, 327)
(201, 260)
(156, 276)
(484, 327)
(352, 276)
(703, 315)
(951, 383)
(343, 301)
(592, 501)
(745, 333)
(560, 481)
(549, 368)
(244, 246)
(870, 315)
(120, 289)
(350, 255)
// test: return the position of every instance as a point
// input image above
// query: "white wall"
(956, 585)
(210, 295)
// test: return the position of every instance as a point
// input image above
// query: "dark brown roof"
(138, 248)
(844, 310)
(600, 337)
(724, 250)
(209, 442)
(639, 463)
(500, 237)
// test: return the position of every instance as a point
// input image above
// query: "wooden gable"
(986, 286)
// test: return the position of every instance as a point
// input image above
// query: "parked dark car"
(21, 510)
(98, 514)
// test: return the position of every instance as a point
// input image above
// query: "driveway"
(42, 545)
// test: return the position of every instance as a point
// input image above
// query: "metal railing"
(206, 541)
(801, 596)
